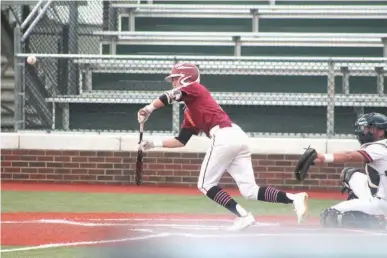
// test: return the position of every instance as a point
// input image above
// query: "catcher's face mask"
(365, 134)
(370, 127)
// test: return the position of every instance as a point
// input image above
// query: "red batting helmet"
(187, 73)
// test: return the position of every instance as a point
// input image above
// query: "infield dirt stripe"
(20, 232)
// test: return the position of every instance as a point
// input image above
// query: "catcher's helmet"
(187, 73)
(375, 120)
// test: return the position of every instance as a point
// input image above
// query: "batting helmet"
(187, 73)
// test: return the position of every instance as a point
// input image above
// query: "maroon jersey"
(188, 122)
(202, 112)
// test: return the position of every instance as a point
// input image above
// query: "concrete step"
(9, 106)
(7, 97)
(5, 113)
(7, 85)
(9, 73)
(3, 59)
(7, 121)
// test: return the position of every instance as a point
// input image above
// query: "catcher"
(366, 205)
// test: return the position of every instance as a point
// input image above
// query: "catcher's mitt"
(304, 163)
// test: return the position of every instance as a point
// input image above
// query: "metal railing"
(253, 12)
(243, 39)
(125, 83)
(75, 90)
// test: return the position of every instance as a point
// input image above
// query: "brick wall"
(159, 168)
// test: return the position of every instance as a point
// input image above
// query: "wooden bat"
(139, 163)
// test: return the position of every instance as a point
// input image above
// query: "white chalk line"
(161, 219)
(72, 244)
(302, 232)
(152, 225)
(305, 233)
(172, 226)
(164, 235)
(134, 220)
(104, 224)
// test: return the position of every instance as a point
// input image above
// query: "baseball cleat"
(242, 223)
(300, 203)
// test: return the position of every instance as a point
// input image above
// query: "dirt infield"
(56, 228)
(192, 233)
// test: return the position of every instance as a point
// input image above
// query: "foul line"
(160, 219)
(93, 224)
(99, 222)
(162, 235)
(84, 243)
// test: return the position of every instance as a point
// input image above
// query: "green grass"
(14, 201)
(71, 252)
(60, 252)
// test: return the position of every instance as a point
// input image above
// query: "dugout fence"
(98, 62)
(298, 97)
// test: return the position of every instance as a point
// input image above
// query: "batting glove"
(150, 144)
(144, 113)
(146, 145)
(142, 116)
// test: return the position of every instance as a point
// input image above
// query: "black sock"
(270, 194)
(219, 196)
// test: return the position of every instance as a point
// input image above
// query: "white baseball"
(31, 60)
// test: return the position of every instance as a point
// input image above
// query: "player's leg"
(355, 213)
(355, 183)
(215, 163)
(241, 170)
(361, 210)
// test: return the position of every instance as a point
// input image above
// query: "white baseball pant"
(229, 151)
(366, 202)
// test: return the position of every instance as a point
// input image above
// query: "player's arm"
(369, 154)
(179, 141)
(340, 157)
(163, 100)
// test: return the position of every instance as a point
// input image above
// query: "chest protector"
(372, 173)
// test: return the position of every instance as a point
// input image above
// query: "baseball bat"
(139, 163)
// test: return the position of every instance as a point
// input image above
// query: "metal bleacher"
(253, 12)
(128, 34)
(236, 62)
(246, 11)
(241, 39)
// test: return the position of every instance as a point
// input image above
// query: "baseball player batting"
(229, 149)
(366, 205)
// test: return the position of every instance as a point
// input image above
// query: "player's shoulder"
(380, 143)
(195, 89)
(376, 147)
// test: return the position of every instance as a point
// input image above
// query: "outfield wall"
(110, 159)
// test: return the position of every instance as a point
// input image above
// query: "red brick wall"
(160, 168)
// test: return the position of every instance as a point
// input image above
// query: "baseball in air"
(31, 60)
